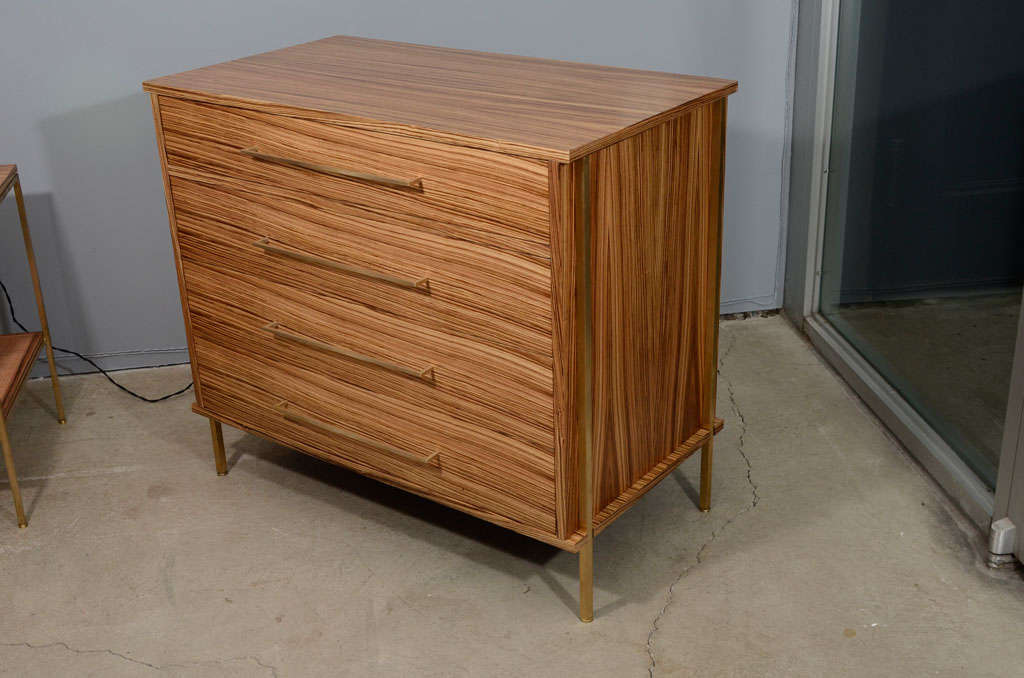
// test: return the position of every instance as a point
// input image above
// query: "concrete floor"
(828, 553)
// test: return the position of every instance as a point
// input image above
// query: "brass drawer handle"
(413, 184)
(426, 374)
(284, 411)
(423, 284)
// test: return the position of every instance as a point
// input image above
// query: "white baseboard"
(767, 302)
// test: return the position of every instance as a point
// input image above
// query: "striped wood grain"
(607, 515)
(493, 232)
(172, 220)
(476, 465)
(474, 383)
(477, 195)
(471, 505)
(496, 297)
(499, 400)
(8, 173)
(18, 353)
(562, 190)
(552, 110)
(656, 224)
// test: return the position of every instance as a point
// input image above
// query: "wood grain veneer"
(655, 210)
(508, 477)
(514, 397)
(8, 173)
(17, 355)
(484, 196)
(386, 252)
(511, 311)
(172, 219)
(497, 297)
(552, 110)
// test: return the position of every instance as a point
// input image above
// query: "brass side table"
(18, 351)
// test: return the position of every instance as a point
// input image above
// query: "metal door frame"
(1008, 511)
(806, 240)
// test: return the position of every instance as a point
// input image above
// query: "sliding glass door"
(922, 245)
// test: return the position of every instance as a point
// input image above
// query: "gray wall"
(76, 123)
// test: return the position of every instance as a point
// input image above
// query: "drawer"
(433, 454)
(423, 369)
(476, 195)
(460, 288)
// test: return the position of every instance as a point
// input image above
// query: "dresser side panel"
(656, 232)
(155, 100)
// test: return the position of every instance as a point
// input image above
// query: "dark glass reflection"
(923, 257)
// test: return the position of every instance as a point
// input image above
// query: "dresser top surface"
(536, 107)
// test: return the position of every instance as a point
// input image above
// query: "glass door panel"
(923, 251)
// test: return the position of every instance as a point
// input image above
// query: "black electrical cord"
(10, 307)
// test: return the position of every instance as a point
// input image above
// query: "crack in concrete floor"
(95, 550)
(155, 667)
(754, 499)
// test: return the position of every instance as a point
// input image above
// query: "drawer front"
(495, 298)
(416, 448)
(475, 195)
(423, 369)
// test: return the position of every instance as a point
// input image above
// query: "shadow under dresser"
(489, 280)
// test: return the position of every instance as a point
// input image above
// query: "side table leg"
(54, 380)
(218, 447)
(40, 307)
(5, 442)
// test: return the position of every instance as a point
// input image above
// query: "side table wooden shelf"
(18, 351)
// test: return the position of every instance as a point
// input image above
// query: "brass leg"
(714, 309)
(587, 581)
(706, 455)
(40, 307)
(5, 442)
(585, 385)
(218, 448)
(54, 381)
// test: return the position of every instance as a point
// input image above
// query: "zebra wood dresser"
(490, 280)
